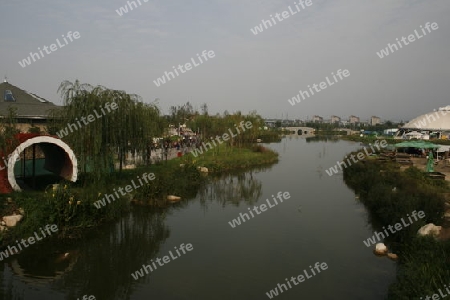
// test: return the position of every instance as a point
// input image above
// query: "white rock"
(181, 165)
(381, 249)
(429, 229)
(11, 221)
(173, 198)
(392, 256)
(203, 169)
(129, 167)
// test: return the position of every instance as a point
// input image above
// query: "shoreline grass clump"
(389, 195)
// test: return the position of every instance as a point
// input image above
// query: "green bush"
(389, 196)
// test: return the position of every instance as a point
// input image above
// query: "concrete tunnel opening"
(40, 156)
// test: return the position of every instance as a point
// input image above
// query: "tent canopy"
(417, 144)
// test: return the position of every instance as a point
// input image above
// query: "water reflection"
(322, 138)
(232, 189)
(102, 262)
(120, 250)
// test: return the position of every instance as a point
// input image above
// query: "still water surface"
(321, 222)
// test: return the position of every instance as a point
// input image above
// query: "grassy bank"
(389, 139)
(331, 132)
(390, 195)
(225, 158)
(270, 136)
(71, 205)
(369, 139)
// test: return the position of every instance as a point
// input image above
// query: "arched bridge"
(308, 131)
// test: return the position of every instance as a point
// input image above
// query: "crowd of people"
(167, 148)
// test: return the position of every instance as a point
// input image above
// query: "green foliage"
(34, 129)
(269, 136)
(66, 205)
(182, 113)
(259, 148)
(182, 181)
(130, 126)
(368, 139)
(8, 130)
(391, 195)
(425, 268)
(233, 158)
(212, 126)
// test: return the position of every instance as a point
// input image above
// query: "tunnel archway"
(59, 158)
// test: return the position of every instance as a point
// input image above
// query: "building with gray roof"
(31, 110)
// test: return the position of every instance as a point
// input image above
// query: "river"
(320, 222)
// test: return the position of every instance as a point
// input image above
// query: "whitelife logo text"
(398, 227)
(128, 189)
(360, 155)
(11, 250)
(86, 120)
(225, 138)
(431, 118)
(281, 17)
(124, 9)
(53, 47)
(187, 67)
(391, 48)
(319, 87)
(318, 267)
(263, 207)
(165, 260)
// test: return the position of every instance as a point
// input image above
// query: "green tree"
(123, 124)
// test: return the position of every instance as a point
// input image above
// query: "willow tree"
(139, 124)
(8, 129)
(101, 123)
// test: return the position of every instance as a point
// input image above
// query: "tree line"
(133, 126)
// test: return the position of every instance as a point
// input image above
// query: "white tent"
(436, 120)
(413, 135)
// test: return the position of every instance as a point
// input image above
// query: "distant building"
(31, 110)
(335, 119)
(286, 123)
(317, 119)
(353, 119)
(375, 120)
(270, 123)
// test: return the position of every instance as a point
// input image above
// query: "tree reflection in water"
(124, 246)
(232, 189)
(116, 250)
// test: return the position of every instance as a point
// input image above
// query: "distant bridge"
(301, 130)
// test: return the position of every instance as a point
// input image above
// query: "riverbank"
(71, 205)
(390, 193)
(389, 139)
(368, 139)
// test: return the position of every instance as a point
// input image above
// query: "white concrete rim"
(37, 140)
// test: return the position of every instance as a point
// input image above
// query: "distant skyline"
(295, 47)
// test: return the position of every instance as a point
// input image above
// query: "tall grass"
(389, 195)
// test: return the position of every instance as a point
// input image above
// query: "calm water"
(321, 222)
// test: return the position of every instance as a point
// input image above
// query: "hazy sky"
(249, 72)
